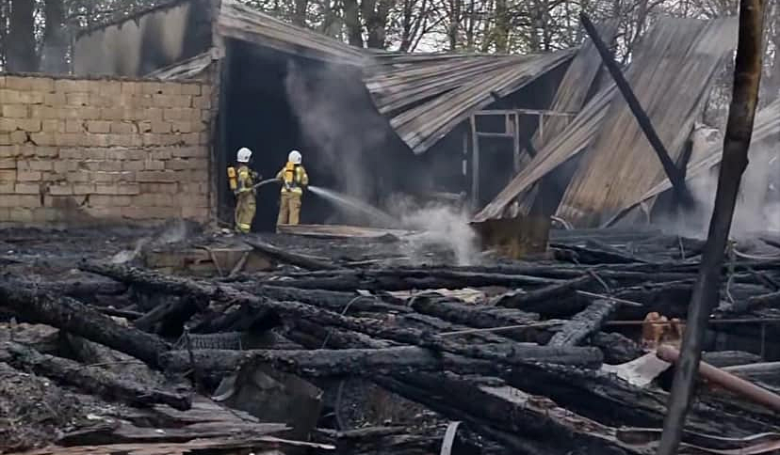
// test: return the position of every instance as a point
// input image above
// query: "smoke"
(172, 232)
(439, 226)
(324, 100)
(757, 204)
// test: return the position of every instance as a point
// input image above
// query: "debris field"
(353, 346)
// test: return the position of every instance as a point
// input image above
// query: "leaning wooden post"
(674, 174)
(739, 130)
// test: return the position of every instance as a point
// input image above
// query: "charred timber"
(584, 324)
(328, 362)
(74, 317)
(293, 310)
(286, 257)
(92, 380)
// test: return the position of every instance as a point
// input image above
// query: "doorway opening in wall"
(258, 114)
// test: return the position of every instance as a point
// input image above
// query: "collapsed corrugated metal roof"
(426, 96)
(766, 127)
(244, 23)
(670, 74)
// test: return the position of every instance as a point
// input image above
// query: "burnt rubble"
(349, 346)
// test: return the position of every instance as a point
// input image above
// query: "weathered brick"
(173, 114)
(157, 176)
(41, 165)
(102, 177)
(126, 189)
(20, 200)
(161, 127)
(190, 89)
(22, 124)
(121, 140)
(110, 88)
(71, 86)
(110, 200)
(131, 87)
(45, 112)
(182, 127)
(205, 90)
(163, 188)
(16, 111)
(55, 99)
(7, 188)
(2, 81)
(44, 138)
(180, 164)
(98, 126)
(81, 113)
(98, 140)
(29, 150)
(102, 101)
(193, 200)
(133, 166)
(123, 177)
(7, 163)
(151, 88)
(80, 176)
(123, 128)
(19, 137)
(201, 102)
(195, 188)
(112, 113)
(61, 190)
(171, 88)
(94, 154)
(5, 139)
(74, 126)
(42, 84)
(53, 126)
(18, 83)
(63, 166)
(78, 99)
(27, 188)
(154, 165)
(111, 166)
(7, 151)
(28, 176)
(190, 152)
(83, 188)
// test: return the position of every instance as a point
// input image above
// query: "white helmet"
(295, 157)
(244, 154)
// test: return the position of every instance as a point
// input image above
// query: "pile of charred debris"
(344, 346)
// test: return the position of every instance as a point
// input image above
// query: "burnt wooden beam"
(73, 316)
(91, 380)
(584, 323)
(676, 176)
(736, 144)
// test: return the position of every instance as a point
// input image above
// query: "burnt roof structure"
(671, 74)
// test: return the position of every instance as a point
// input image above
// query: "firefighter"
(242, 182)
(294, 181)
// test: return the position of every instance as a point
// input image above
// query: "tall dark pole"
(675, 175)
(739, 130)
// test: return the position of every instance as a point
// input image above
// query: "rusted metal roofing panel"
(247, 24)
(670, 76)
(454, 96)
(766, 127)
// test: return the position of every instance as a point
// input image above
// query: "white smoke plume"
(758, 203)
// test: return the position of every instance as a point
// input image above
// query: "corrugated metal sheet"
(766, 127)
(192, 68)
(571, 96)
(670, 77)
(247, 24)
(671, 71)
(449, 89)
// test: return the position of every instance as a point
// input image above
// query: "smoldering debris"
(168, 233)
(435, 335)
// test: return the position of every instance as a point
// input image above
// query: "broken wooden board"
(208, 261)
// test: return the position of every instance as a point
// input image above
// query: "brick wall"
(76, 150)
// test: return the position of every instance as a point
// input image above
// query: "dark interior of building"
(277, 102)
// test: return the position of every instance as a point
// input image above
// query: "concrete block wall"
(78, 150)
